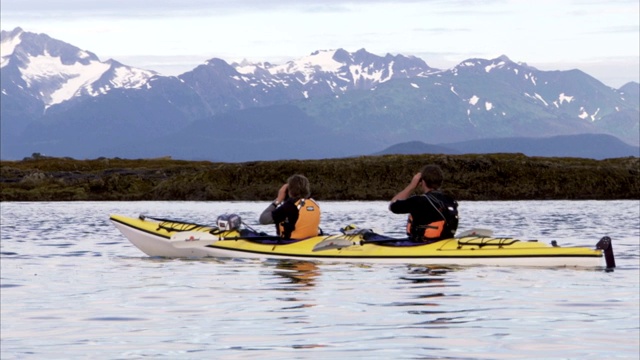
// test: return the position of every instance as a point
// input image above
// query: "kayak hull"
(158, 239)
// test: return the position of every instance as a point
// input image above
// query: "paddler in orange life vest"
(296, 216)
(433, 216)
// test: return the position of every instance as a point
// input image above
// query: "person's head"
(432, 176)
(298, 186)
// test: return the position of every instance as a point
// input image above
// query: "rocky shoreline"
(468, 177)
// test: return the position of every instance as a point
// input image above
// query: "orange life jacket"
(308, 222)
(432, 231)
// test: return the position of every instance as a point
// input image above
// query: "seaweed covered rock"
(467, 177)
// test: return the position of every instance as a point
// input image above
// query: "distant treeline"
(467, 177)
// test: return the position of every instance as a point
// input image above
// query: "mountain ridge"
(356, 102)
(592, 146)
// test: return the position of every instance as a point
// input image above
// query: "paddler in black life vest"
(433, 215)
(296, 216)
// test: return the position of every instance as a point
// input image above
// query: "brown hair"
(432, 176)
(299, 186)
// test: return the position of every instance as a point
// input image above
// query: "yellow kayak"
(178, 239)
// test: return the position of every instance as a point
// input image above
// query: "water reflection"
(434, 309)
(430, 277)
(301, 274)
(293, 297)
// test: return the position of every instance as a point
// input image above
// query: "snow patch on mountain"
(539, 97)
(78, 77)
(131, 77)
(488, 106)
(7, 47)
(562, 98)
(492, 66)
(124, 77)
(583, 113)
(358, 72)
(247, 68)
(71, 77)
(319, 61)
(83, 54)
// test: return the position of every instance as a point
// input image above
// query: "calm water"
(72, 287)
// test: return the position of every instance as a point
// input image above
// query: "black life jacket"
(439, 229)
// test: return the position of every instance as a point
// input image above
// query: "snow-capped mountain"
(53, 71)
(224, 87)
(554, 90)
(62, 101)
(337, 71)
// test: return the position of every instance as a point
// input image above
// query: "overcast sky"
(600, 38)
